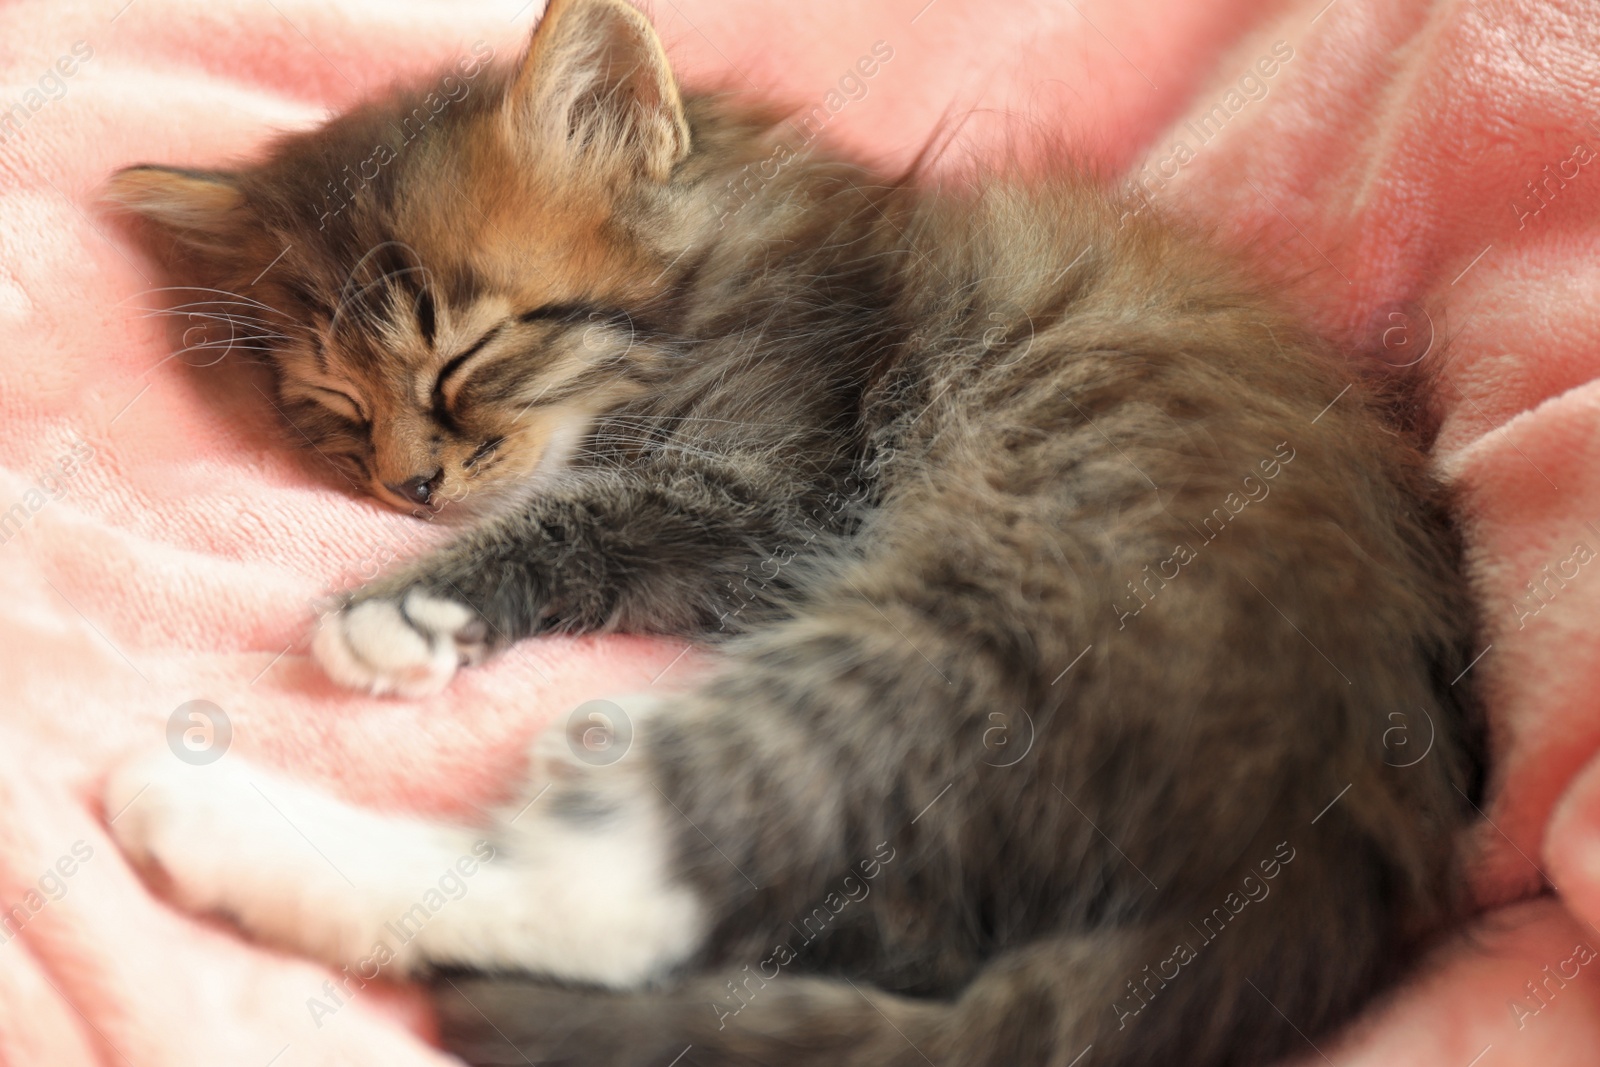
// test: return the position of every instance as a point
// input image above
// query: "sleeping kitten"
(1071, 595)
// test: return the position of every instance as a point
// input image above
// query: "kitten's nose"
(418, 490)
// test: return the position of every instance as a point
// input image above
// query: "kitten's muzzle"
(418, 490)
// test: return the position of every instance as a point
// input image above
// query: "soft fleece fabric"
(171, 541)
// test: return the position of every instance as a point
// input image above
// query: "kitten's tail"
(1131, 998)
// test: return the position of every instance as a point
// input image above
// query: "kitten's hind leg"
(573, 885)
(291, 864)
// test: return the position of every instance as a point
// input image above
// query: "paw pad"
(410, 646)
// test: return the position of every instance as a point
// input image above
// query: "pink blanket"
(1430, 172)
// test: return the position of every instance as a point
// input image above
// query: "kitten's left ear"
(200, 209)
(595, 86)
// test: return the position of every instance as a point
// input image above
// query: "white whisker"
(203, 289)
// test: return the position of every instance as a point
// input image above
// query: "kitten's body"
(1076, 597)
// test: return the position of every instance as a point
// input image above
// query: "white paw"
(161, 810)
(290, 865)
(213, 834)
(409, 646)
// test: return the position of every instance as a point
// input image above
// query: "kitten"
(1072, 597)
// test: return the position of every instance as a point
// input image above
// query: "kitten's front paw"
(409, 645)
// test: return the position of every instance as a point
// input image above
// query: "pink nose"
(418, 490)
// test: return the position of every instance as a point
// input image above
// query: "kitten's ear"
(595, 86)
(201, 209)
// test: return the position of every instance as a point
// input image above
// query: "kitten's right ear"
(595, 89)
(201, 209)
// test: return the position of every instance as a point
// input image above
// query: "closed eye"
(484, 450)
(340, 403)
(572, 310)
(441, 406)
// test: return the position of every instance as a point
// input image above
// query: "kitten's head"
(451, 282)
